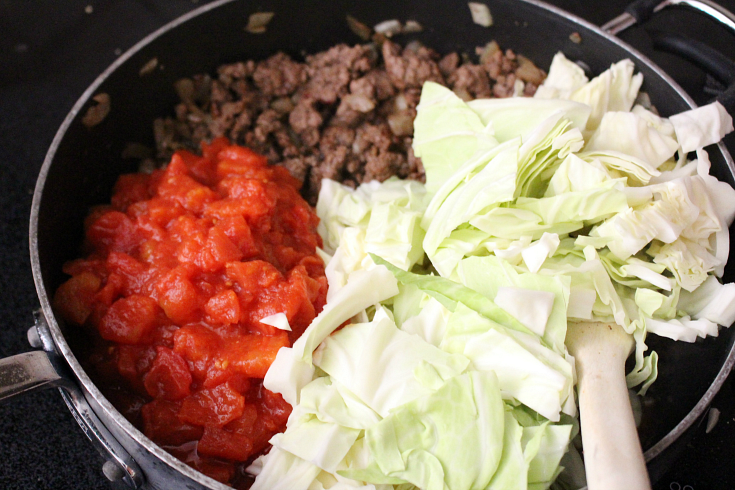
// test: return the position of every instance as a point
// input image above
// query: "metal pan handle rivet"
(34, 339)
(113, 471)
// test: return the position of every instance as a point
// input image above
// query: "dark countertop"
(50, 51)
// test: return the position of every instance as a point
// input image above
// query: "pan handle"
(26, 373)
(707, 58)
(640, 11)
(42, 369)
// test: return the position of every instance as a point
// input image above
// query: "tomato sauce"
(178, 272)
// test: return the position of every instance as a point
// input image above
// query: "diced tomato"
(133, 273)
(252, 355)
(224, 307)
(277, 408)
(129, 189)
(243, 156)
(211, 150)
(129, 319)
(95, 266)
(199, 167)
(169, 377)
(238, 231)
(162, 424)
(113, 231)
(182, 188)
(253, 275)
(74, 298)
(217, 251)
(112, 289)
(178, 296)
(197, 344)
(212, 407)
(221, 443)
(135, 360)
(216, 469)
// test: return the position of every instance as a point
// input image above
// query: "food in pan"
(531, 193)
(195, 276)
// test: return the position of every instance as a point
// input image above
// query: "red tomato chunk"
(181, 269)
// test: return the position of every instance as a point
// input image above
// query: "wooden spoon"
(613, 458)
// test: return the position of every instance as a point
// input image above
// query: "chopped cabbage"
(439, 360)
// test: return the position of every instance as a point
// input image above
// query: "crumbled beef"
(299, 166)
(499, 64)
(375, 85)
(345, 113)
(219, 94)
(472, 80)
(306, 120)
(449, 64)
(504, 85)
(410, 69)
(268, 122)
(279, 75)
(331, 71)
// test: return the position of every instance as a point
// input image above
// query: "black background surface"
(50, 51)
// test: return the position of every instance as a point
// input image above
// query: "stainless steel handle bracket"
(711, 9)
(43, 369)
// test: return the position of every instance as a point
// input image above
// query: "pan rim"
(90, 389)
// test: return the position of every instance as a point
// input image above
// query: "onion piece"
(412, 26)
(97, 113)
(528, 71)
(401, 123)
(487, 52)
(388, 27)
(481, 14)
(362, 31)
(258, 21)
(358, 102)
(149, 67)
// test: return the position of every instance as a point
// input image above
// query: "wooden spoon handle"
(612, 451)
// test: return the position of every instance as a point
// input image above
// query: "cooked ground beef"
(344, 114)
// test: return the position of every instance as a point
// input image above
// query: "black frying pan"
(83, 164)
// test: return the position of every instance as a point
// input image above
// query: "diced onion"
(412, 26)
(481, 14)
(258, 21)
(362, 31)
(97, 113)
(388, 27)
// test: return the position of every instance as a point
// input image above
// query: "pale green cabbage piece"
(630, 134)
(450, 439)
(385, 367)
(330, 401)
(487, 275)
(501, 114)
(537, 377)
(381, 218)
(450, 293)
(284, 471)
(702, 126)
(365, 288)
(494, 184)
(613, 90)
(323, 444)
(443, 151)
(564, 78)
